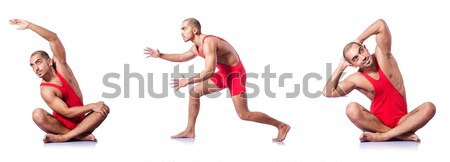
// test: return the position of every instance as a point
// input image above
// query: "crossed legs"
(374, 130)
(56, 132)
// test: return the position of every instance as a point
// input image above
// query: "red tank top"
(69, 95)
(221, 67)
(387, 104)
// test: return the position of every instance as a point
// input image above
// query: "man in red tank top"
(71, 120)
(231, 74)
(379, 79)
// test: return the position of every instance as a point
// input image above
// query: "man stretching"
(71, 120)
(379, 79)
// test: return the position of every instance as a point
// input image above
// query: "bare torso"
(225, 52)
(390, 68)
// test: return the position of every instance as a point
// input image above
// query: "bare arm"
(333, 87)
(59, 53)
(210, 52)
(383, 36)
(186, 56)
(59, 106)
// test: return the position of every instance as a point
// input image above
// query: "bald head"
(348, 47)
(194, 23)
(42, 53)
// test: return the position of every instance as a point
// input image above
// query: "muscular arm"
(186, 56)
(59, 106)
(59, 53)
(383, 36)
(333, 87)
(210, 52)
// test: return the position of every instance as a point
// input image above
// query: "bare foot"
(282, 133)
(185, 134)
(409, 137)
(54, 138)
(372, 137)
(89, 137)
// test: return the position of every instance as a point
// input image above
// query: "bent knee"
(38, 115)
(244, 115)
(429, 107)
(352, 107)
(194, 94)
(353, 110)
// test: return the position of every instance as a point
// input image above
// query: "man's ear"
(195, 30)
(50, 62)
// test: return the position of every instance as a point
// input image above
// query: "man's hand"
(22, 24)
(101, 108)
(344, 62)
(179, 83)
(151, 52)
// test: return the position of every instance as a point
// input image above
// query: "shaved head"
(347, 48)
(42, 53)
(194, 23)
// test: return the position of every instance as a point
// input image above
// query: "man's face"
(40, 65)
(359, 56)
(187, 31)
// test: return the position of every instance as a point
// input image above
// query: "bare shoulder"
(356, 78)
(194, 49)
(48, 93)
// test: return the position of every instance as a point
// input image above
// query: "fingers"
(14, 21)
(175, 84)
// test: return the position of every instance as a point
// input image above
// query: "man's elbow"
(52, 37)
(326, 94)
(208, 74)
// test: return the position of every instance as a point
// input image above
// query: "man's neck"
(49, 76)
(198, 40)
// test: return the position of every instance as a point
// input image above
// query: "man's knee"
(194, 94)
(353, 110)
(244, 115)
(429, 108)
(105, 110)
(38, 115)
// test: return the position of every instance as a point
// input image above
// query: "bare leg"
(51, 125)
(240, 104)
(88, 125)
(195, 93)
(369, 123)
(411, 122)
(363, 119)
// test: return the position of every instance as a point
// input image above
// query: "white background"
(297, 37)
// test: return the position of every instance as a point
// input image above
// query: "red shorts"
(231, 77)
(71, 123)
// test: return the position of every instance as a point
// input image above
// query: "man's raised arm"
(383, 36)
(59, 53)
(334, 88)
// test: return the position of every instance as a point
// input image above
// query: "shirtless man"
(379, 79)
(71, 120)
(217, 53)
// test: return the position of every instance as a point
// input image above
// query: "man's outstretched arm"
(188, 55)
(333, 87)
(59, 53)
